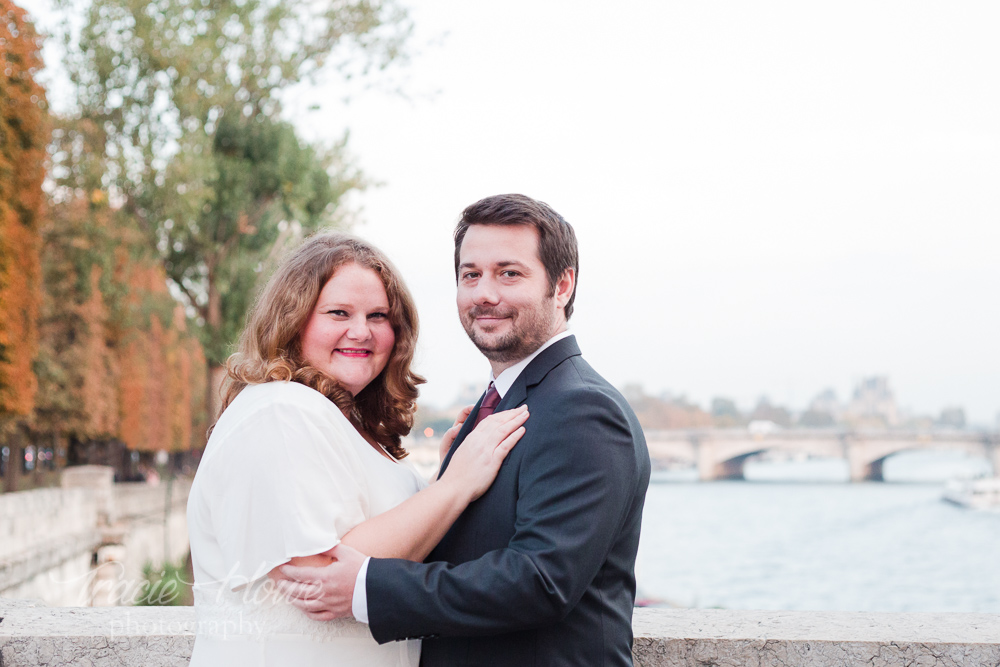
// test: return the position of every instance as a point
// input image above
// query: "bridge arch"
(866, 457)
(722, 453)
(726, 457)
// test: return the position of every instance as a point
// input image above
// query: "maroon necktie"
(489, 404)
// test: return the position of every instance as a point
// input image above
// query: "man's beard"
(529, 330)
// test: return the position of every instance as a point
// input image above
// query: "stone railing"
(163, 636)
(47, 541)
(86, 542)
(138, 500)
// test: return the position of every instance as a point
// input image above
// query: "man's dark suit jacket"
(540, 570)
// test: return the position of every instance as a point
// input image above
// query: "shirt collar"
(507, 378)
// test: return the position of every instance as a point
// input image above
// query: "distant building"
(873, 404)
(952, 418)
(824, 410)
(827, 401)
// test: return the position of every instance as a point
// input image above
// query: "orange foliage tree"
(76, 367)
(23, 138)
(162, 384)
(92, 346)
(665, 412)
(116, 361)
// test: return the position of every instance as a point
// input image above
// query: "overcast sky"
(771, 197)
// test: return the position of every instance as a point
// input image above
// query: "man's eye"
(471, 275)
(510, 274)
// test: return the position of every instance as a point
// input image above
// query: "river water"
(797, 536)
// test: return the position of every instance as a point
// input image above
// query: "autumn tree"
(77, 367)
(665, 412)
(116, 361)
(23, 138)
(725, 414)
(162, 375)
(184, 97)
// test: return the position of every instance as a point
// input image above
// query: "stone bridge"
(722, 453)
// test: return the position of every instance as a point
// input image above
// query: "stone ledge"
(31, 634)
(711, 637)
(43, 557)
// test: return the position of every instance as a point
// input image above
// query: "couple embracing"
(314, 542)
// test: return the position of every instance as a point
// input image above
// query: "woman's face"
(349, 336)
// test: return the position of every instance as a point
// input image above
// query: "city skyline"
(871, 397)
(769, 199)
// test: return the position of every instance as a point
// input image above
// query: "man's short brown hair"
(557, 247)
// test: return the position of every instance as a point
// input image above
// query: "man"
(540, 569)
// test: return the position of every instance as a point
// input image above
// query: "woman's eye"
(337, 313)
(379, 316)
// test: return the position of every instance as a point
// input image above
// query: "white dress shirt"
(503, 383)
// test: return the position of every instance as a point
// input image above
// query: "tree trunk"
(14, 463)
(216, 372)
(213, 397)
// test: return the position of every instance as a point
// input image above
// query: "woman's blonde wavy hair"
(269, 347)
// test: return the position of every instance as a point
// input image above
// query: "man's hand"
(324, 593)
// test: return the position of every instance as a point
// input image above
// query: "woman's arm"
(410, 530)
(414, 527)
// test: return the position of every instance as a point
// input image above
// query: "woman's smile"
(353, 352)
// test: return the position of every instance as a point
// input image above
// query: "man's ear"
(564, 288)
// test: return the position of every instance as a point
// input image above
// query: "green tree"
(725, 414)
(767, 411)
(181, 99)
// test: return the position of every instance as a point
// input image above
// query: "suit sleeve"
(575, 485)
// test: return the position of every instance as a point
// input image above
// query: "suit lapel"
(536, 371)
(462, 432)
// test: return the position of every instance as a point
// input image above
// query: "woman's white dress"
(284, 474)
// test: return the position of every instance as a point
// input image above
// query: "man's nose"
(485, 291)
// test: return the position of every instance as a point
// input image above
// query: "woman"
(307, 454)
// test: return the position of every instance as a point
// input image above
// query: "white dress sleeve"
(291, 485)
